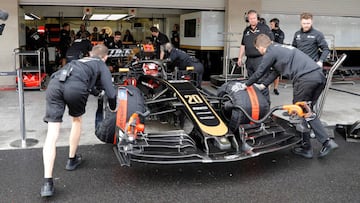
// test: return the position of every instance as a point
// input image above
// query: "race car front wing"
(175, 147)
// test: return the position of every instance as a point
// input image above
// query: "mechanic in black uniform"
(65, 42)
(185, 60)
(82, 31)
(310, 40)
(308, 82)
(247, 43)
(128, 37)
(114, 42)
(175, 36)
(279, 37)
(70, 86)
(103, 35)
(95, 36)
(79, 48)
(159, 39)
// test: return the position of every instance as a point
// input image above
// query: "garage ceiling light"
(31, 16)
(107, 16)
(99, 16)
(116, 16)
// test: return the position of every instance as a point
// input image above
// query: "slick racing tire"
(105, 130)
(245, 99)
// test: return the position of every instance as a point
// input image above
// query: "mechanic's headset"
(250, 11)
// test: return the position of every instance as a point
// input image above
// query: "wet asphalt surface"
(274, 177)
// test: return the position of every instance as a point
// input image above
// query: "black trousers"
(308, 88)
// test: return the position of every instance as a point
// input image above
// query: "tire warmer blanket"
(255, 108)
(122, 110)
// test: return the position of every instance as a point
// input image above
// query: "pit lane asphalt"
(274, 177)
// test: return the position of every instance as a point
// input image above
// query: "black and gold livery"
(185, 124)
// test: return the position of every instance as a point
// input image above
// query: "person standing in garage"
(247, 43)
(82, 30)
(175, 36)
(95, 36)
(128, 37)
(310, 40)
(70, 87)
(159, 39)
(65, 42)
(279, 37)
(114, 42)
(308, 82)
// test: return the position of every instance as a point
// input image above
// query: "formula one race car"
(167, 121)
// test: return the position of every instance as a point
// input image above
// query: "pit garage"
(181, 142)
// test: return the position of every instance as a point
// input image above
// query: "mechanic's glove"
(260, 86)
(112, 104)
(320, 63)
(238, 86)
(101, 94)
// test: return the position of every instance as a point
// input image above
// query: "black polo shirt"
(249, 36)
(79, 48)
(111, 44)
(161, 39)
(310, 42)
(65, 40)
(279, 35)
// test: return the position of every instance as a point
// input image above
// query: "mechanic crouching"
(308, 82)
(70, 86)
(79, 49)
(183, 60)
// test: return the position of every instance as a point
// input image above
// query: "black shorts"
(309, 87)
(73, 94)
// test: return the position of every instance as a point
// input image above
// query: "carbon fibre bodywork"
(189, 128)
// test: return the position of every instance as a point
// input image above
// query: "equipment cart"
(32, 65)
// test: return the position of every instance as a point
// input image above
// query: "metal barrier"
(318, 108)
(23, 142)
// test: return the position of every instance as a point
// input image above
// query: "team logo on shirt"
(252, 31)
(311, 36)
(298, 37)
(287, 46)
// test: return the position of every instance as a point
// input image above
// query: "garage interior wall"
(234, 20)
(324, 11)
(184, 4)
(318, 7)
(9, 41)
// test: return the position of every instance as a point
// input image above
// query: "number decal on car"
(193, 99)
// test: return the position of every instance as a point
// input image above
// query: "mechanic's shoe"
(47, 190)
(328, 146)
(72, 164)
(276, 92)
(301, 151)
